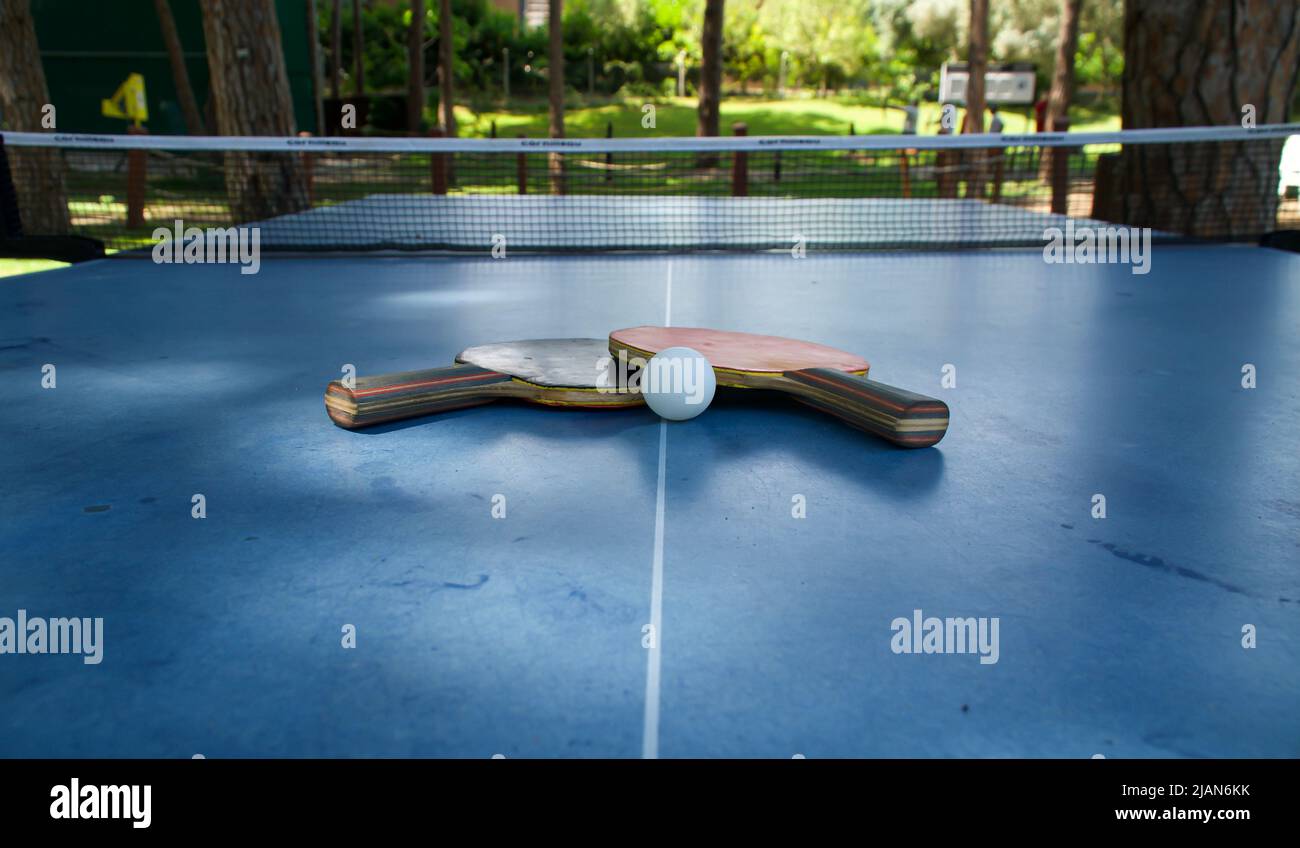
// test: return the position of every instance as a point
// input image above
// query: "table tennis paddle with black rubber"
(822, 377)
(552, 372)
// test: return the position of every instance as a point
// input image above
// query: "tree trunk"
(1192, 64)
(973, 161)
(977, 62)
(336, 50)
(317, 66)
(555, 77)
(250, 88)
(710, 69)
(38, 174)
(180, 75)
(415, 67)
(1067, 44)
(358, 51)
(446, 70)
(1062, 91)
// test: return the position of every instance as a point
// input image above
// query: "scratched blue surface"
(523, 636)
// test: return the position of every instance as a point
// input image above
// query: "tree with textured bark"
(415, 67)
(250, 89)
(1062, 91)
(180, 74)
(1067, 44)
(446, 82)
(336, 50)
(358, 51)
(38, 174)
(977, 63)
(317, 65)
(710, 69)
(446, 69)
(1203, 64)
(555, 78)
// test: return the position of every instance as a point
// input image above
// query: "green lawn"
(12, 267)
(795, 116)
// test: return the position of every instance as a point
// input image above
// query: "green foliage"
(892, 49)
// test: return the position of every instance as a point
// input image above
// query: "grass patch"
(676, 116)
(14, 267)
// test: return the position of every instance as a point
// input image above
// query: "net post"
(740, 164)
(438, 164)
(904, 170)
(1060, 170)
(309, 171)
(136, 175)
(522, 165)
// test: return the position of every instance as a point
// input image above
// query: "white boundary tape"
(333, 144)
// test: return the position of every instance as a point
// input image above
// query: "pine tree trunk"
(415, 67)
(977, 62)
(710, 69)
(38, 174)
(446, 45)
(975, 162)
(1062, 91)
(1194, 64)
(555, 77)
(1067, 44)
(180, 75)
(358, 51)
(336, 50)
(446, 82)
(317, 66)
(250, 88)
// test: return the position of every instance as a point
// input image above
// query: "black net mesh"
(679, 194)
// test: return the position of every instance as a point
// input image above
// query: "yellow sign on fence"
(128, 101)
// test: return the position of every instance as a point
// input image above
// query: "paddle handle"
(407, 394)
(904, 418)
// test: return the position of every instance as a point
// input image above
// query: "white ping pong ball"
(678, 383)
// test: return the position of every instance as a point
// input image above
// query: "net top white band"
(650, 144)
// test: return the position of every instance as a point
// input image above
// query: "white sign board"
(1001, 85)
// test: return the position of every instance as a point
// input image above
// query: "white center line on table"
(650, 736)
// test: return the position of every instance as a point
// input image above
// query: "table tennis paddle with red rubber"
(552, 372)
(822, 377)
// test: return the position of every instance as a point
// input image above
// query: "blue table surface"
(523, 635)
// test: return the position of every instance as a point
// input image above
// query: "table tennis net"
(674, 194)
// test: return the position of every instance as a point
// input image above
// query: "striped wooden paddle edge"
(408, 394)
(898, 415)
(730, 377)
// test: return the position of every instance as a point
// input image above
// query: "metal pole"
(505, 70)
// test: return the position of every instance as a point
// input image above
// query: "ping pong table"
(528, 582)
